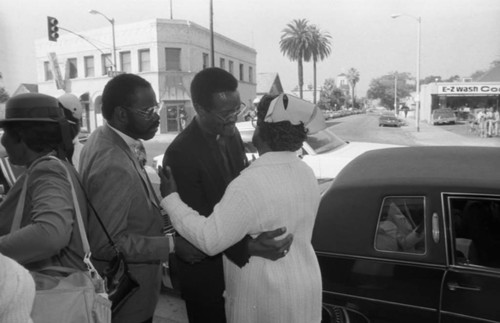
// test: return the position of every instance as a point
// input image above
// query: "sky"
(458, 37)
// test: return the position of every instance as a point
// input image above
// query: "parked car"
(405, 241)
(389, 119)
(323, 151)
(443, 116)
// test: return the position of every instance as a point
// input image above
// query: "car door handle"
(454, 286)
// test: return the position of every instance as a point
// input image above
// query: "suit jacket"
(49, 234)
(118, 189)
(201, 178)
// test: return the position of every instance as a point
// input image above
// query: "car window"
(476, 230)
(401, 225)
(323, 141)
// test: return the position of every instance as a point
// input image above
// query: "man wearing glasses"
(204, 159)
(111, 167)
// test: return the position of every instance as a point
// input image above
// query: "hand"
(187, 252)
(167, 182)
(265, 246)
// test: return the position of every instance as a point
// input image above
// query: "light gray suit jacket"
(118, 189)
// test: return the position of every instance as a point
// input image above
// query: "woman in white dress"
(276, 190)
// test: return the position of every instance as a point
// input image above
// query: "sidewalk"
(430, 135)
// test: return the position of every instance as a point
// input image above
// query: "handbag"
(67, 294)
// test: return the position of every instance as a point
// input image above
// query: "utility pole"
(212, 34)
(396, 92)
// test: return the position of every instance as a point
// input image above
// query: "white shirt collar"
(131, 142)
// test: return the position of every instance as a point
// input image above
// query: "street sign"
(56, 71)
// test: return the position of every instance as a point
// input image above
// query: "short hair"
(280, 136)
(208, 82)
(121, 91)
(38, 136)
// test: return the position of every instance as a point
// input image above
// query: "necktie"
(221, 143)
(140, 153)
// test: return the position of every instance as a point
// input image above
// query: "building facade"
(167, 53)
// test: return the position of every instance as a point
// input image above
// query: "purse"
(67, 294)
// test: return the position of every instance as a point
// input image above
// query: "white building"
(167, 53)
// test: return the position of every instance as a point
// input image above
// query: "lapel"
(135, 162)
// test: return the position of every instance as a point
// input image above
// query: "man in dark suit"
(204, 159)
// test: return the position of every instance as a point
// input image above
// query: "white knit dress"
(277, 190)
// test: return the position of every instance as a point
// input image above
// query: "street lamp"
(396, 92)
(112, 22)
(417, 96)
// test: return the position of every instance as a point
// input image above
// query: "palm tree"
(294, 43)
(319, 47)
(353, 78)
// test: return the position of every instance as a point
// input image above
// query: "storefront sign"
(56, 71)
(469, 89)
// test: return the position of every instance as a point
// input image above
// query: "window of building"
(205, 60)
(173, 59)
(222, 63)
(89, 66)
(241, 72)
(144, 60)
(72, 68)
(401, 226)
(231, 67)
(250, 74)
(125, 62)
(107, 63)
(47, 71)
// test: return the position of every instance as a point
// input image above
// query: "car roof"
(424, 166)
(346, 226)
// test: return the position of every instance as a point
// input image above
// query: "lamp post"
(112, 22)
(396, 92)
(417, 95)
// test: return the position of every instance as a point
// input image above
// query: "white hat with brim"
(290, 108)
(72, 103)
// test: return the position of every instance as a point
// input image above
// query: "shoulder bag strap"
(18, 215)
(83, 234)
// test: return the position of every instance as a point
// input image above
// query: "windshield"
(324, 140)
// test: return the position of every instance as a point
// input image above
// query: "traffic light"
(52, 28)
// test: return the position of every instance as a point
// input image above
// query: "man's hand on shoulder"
(266, 246)
(187, 252)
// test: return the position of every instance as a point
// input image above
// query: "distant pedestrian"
(405, 110)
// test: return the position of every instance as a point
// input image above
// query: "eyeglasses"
(148, 113)
(230, 116)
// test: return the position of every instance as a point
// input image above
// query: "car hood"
(329, 164)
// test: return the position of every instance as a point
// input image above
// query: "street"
(361, 127)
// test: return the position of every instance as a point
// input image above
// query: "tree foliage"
(353, 79)
(331, 97)
(320, 49)
(294, 44)
(4, 96)
(382, 88)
